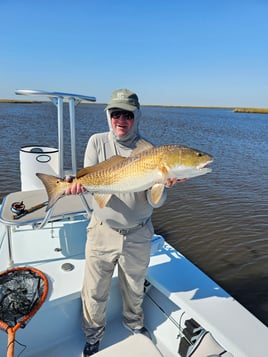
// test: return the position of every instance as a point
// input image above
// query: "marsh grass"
(251, 110)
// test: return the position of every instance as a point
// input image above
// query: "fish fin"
(102, 199)
(156, 192)
(55, 188)
(164, 170)
(141, 146)
(114, 160)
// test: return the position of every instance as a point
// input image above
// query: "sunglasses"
(124, 114)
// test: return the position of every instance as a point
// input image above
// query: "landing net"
(22, 292)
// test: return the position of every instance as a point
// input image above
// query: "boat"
(186, 312)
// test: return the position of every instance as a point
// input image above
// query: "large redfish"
(145, 168)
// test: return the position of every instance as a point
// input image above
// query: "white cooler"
(35, 159)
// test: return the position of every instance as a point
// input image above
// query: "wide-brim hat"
(124, 99)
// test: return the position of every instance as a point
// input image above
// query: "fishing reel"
(18, 208)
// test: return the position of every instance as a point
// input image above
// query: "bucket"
(35, 159)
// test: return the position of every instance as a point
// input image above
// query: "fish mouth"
(204, 165)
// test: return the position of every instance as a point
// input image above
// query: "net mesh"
(20, 291)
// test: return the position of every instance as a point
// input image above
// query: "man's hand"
(75, 188)
(172, 182)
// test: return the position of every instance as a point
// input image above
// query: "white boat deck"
(186, 286)
(177, 286)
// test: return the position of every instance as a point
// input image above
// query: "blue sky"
(178, 52)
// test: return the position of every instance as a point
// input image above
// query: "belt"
(125, 231)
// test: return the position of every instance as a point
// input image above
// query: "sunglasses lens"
(116, 115)
(125, 115)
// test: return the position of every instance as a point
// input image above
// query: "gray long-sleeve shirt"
(124, 210)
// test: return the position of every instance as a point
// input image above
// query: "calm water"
(219, 221)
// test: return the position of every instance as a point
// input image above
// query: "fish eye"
(199, 154)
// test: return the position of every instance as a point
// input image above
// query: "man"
(118, 234)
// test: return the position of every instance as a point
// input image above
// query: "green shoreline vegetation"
(251, 110)
(15, 101)
(235, 109)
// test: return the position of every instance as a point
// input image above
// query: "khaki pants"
(105, 248)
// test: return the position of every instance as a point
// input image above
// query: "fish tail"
(55, 188)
